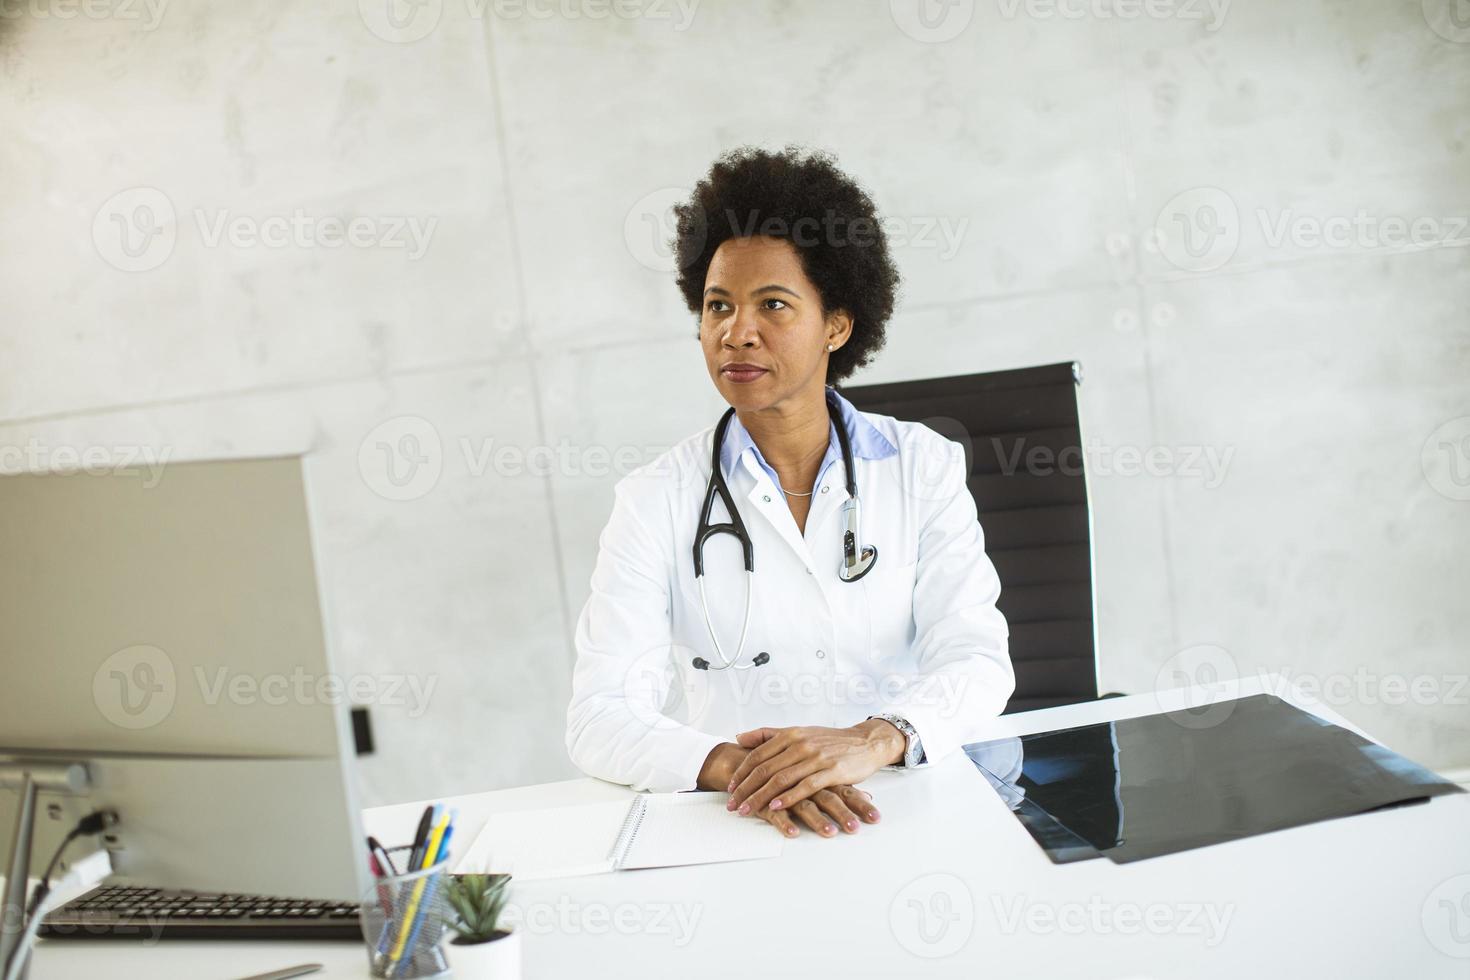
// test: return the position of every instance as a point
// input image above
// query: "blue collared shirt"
(867, 442)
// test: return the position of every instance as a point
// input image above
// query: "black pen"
(420, 838)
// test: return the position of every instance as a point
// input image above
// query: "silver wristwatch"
(913, 753)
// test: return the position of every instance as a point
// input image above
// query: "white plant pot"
(499, 959)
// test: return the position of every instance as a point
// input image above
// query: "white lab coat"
(918, 636)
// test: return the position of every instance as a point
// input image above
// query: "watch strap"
(913, 754)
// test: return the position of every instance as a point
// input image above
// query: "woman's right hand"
(827, 810)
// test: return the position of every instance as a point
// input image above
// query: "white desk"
(1341, 899)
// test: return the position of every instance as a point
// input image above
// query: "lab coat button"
(820, 654)
(825, 489)
(766, 499)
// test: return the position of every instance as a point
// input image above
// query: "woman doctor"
(871, 637)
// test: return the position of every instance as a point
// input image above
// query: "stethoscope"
(857, 560)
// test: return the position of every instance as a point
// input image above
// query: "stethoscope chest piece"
(856, 562)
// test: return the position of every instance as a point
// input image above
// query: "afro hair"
(827, 217)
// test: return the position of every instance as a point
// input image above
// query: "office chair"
(1023, 446)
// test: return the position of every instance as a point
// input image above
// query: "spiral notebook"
(652, 830)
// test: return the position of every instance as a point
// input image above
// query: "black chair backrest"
(1023, 444)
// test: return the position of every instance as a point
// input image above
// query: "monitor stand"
(30, 778)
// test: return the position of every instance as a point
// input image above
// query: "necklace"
(792, 493)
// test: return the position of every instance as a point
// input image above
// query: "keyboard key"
(131, 911)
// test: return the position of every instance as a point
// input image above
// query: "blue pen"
(415, 856)
(428, 900)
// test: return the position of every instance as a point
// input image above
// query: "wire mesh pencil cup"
(404, 918)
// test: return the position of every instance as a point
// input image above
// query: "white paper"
(555, 842)
(560, 842)
(695, 828)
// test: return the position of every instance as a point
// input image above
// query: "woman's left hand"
(788, 765)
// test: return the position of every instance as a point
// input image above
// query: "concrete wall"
(1134, 186)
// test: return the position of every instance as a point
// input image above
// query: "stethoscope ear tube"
(717, 488)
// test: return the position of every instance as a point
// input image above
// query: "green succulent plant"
(477, 901)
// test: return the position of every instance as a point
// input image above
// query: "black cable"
(56, 859)
(93, 823)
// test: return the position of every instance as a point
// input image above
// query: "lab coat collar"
(867, 442)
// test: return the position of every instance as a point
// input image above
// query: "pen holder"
(403, 922)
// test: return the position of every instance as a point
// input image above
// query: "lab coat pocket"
(888, 594)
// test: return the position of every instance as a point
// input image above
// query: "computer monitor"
(165, 630)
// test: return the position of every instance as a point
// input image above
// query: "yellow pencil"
(405, 925)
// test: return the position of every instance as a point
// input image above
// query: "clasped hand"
(810, 772)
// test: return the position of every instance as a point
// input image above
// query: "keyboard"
(121, 911)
